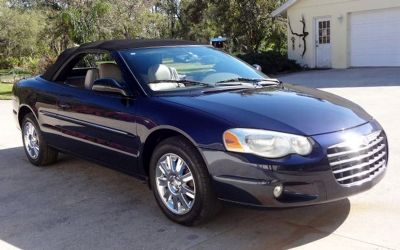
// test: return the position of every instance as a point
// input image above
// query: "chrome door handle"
(64, 106)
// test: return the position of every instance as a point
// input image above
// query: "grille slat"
(380, 164)
(355, 166)
(359, 166)
(380, 139)
(359, 157)
(370, 177)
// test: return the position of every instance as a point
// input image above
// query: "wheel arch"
(23, 111)
(158, 135)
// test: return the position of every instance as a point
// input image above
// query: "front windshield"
(186, 67)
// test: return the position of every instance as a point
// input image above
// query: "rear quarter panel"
(34, 93)
(25, 95)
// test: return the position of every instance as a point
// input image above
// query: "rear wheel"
(181, 183)
(36, 149)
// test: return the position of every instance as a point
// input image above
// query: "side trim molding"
(80, 122)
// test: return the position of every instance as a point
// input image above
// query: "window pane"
(92, 60)
(193, 63)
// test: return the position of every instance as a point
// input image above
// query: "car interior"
(104, 70)
(155, 65)
(86, 69)
(161, 72)
(152, 70)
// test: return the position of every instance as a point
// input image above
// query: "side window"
(87, 68)
(93, 60)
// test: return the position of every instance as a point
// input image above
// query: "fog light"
(278, 190)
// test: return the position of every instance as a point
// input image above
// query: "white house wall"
(339, 11)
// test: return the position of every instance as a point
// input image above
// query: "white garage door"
(375, 38)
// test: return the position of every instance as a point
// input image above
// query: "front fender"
(202, 129)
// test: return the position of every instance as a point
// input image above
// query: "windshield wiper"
(254, 81)
(183, 81)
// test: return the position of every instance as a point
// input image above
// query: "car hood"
(291, 109)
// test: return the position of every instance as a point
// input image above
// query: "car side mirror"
(257, 67)
(108, 85)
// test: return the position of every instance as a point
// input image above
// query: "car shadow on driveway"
(80, 205)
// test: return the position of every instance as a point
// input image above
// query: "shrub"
(36, 66)
(27, 65)
(9, 62)
(271, 62)
(44, 63)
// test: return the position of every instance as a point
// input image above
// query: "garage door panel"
(377, 47)
(376, 16)
(374, 38)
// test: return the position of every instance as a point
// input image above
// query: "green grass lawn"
(5, 91)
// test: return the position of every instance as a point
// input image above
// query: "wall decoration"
(293, 43)
(301, 35)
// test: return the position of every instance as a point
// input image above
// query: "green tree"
(31, 29)
(19, 34)
(248, 24)
(84, 23)
(136, 19)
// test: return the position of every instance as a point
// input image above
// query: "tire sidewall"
(193, 164)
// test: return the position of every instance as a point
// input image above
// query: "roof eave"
(283, 8)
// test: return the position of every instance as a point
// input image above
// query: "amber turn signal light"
(232, 143)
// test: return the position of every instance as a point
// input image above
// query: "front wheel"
(181, 183)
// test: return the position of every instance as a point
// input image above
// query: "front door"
(100, 126)
(103, 128)
(323, 43)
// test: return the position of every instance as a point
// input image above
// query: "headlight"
(266, 143)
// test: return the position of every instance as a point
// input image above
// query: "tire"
(204, 205)
(38, 152)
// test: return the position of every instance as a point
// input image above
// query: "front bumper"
(250, 180)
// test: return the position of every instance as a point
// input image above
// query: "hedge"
(271, 62)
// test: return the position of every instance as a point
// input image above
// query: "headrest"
(110, 70)
(160, 72)
(91, 76)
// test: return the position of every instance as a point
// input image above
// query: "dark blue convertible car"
(200, 126)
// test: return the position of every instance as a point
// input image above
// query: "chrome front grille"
(355, 166)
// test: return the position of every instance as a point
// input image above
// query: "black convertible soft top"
(110, 45)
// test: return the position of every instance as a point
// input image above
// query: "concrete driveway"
(346, 78)
(80, 205)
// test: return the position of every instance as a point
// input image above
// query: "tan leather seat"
(110, 70)
(161, 72)
(91, 76)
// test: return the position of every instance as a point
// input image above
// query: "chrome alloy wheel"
(31, 140)
(175, 183)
